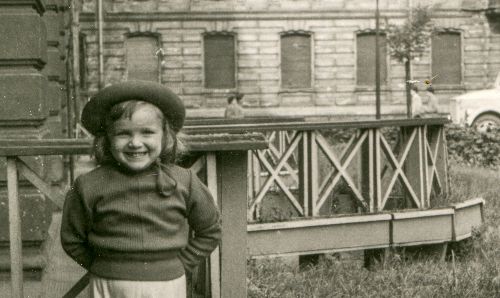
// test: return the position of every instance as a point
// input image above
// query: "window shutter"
(296, 61)
(365, 60)
(447, 58)
(142, 63)
(219, 61)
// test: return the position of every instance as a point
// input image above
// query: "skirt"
(109, 288)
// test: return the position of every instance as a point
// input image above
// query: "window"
(447, 58)
(365, 60)
(296, 61)
(220, 62)
(142, 62)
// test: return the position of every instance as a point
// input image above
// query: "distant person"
(416, 103)
(234, 110)
(432, 103)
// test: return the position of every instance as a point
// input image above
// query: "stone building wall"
(33, 49)
(258, 24)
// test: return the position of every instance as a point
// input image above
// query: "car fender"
(472, 114)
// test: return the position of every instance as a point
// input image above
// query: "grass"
(473, 271)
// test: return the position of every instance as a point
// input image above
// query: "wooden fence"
(378, 160)
(300, 161)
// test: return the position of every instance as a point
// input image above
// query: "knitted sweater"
(116, 224)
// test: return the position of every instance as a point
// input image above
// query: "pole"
(408, 68)
(100, 44)
(377, 62)
(75, 34)
(16, 242)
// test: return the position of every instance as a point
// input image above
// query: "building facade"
(296, 57)
(34, 98)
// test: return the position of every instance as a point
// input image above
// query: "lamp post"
(408, 69)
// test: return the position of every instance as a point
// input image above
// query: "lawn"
(472, 268)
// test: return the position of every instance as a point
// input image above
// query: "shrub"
(472, 148)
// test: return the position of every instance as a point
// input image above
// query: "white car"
(480, 109)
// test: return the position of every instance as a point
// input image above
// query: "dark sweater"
(117, 225)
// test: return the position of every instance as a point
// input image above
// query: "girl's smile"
(136, 143)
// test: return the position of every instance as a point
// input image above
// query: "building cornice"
(261, 15)
(38, 5)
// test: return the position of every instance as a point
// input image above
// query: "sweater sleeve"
(204, 220)
(76, 222)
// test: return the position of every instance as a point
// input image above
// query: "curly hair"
(172, 145)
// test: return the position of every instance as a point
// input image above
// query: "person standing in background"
(432, 103)
(416, 102)
(234, 110)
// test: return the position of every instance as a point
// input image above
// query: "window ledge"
(225, 91)
(365, 88)
(296, 90)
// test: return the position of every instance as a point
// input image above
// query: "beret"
(95, 111)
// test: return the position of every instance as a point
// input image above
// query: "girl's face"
(136, 143)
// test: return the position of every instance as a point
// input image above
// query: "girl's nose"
(134, 143)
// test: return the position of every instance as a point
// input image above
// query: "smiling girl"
(128, 221)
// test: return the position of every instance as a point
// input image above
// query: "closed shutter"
(365, 60)
(447, 58)
(219, 61)
(296, 61)
(142, 63)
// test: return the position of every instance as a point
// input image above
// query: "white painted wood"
(16, 245)
(215, 256)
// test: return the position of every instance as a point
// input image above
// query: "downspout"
(100, 61)
(75, 33)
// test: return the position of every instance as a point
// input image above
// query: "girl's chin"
(136, 167)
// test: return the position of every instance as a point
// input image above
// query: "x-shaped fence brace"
(274, 175)
(340, 167)
(274, 153)
(432, 155)
(398, 168)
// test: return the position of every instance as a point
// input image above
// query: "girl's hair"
(171, 149)
(414, 87)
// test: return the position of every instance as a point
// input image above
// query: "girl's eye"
(121, 133)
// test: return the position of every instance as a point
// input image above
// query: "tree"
(408, 41)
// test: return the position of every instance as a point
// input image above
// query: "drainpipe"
(100, 62)
(75, 34)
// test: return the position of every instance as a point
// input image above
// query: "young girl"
(127, 222)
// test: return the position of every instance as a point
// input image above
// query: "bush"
(472, 148)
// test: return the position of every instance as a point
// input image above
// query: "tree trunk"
(408, 86)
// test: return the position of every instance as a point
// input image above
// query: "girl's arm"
(76, 222)
(203, 218)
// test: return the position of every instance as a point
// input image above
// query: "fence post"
(232, 187)
(16, 245)
(215, 256)
(370, 180)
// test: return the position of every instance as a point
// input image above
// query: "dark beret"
(94, 112)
